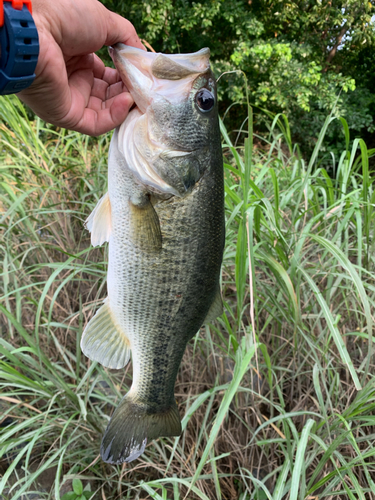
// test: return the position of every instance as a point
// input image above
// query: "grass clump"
(278, 395)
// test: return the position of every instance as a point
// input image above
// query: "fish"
(163, 216)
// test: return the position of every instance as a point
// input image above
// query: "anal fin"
(103, 340)
(99, 222)
(216, 308)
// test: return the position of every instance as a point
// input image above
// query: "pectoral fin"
(104, 341)
(99, 222)
(216, 308)
(145, 224)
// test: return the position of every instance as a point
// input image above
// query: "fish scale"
(165, 250)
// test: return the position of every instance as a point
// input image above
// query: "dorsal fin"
(216, 308)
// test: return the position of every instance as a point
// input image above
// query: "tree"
(299, 55)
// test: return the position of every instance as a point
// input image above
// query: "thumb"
(120, 29)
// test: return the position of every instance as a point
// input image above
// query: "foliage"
(78, 492)
(300, 57)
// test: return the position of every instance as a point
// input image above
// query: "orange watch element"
(16, 4)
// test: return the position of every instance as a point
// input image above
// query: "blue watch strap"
(19, 44)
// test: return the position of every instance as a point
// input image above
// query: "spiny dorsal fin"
(99, 222)
(103, 340)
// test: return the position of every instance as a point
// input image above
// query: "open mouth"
(149, 74)
(161, 80)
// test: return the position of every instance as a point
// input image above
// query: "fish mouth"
(155, 81)
(149, 74)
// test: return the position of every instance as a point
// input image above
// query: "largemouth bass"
(163, 216)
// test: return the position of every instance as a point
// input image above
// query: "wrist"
(19, 46)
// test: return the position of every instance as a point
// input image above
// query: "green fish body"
(163, 216)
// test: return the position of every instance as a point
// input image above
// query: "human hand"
(73, 89)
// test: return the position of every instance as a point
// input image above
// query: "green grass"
(277, 397)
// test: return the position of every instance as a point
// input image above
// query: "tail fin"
(132, 426)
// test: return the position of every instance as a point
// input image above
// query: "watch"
(19, 46)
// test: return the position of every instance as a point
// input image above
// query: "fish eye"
(205, 100)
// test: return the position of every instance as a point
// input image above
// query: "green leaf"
(334, 330)
(299, 465)
(243, 358)
(69, 496)
(77, 486)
